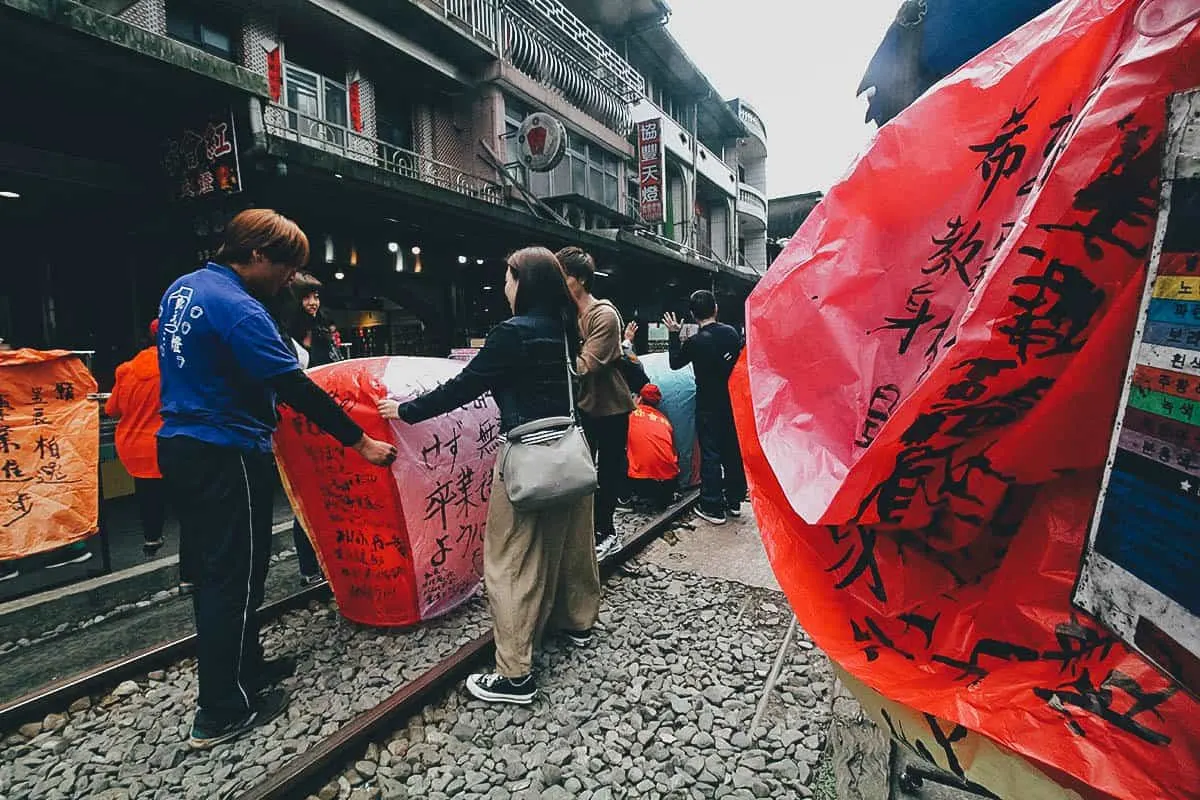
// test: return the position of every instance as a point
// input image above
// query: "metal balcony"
(289, 124)
(479, 19)
(543, 39)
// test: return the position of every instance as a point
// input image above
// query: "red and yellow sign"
(927, 398)
(49, 452)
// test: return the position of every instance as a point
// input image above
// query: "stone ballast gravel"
(657, 706)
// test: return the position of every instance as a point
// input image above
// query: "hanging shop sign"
(542, 140)
(651, 171)
(203, 160)
(49, 452)
(1139, 565)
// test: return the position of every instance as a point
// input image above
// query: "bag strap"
(570, 374)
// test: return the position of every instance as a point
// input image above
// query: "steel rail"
(303, 774)
(58, 695)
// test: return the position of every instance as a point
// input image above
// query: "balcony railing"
(543, 39)
(287, 123)
(479, 19)
(752, 202)
(753, 122)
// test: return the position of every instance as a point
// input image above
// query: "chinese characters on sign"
(652, 185)
(204, 160)
(49, 453)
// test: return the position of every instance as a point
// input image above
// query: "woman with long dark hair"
(309, 330)
(539, 566)
(307, 324)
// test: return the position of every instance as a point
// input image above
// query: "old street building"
(134, 130)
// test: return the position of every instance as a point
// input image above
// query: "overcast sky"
(798, 63)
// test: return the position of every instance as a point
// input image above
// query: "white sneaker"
(495, 688)
(607, 546)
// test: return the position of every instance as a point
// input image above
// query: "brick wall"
(257, 30)
(148, 14)
(452, 142)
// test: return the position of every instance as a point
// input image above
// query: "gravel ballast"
(659, 705)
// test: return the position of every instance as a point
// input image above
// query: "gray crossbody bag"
(547, 462)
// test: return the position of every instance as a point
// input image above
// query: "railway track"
(61, 693)
(304, 773)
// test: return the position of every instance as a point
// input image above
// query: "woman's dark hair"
(295, 319)
(542, 285)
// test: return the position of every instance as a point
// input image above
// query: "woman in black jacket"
(539, 566)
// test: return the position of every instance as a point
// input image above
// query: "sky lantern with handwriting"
(927, 399)
(404, 544)
(49, 452)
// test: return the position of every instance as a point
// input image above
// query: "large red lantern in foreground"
(927, 399)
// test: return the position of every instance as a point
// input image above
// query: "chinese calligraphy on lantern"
(49, 454)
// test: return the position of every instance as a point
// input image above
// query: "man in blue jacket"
(224, 366)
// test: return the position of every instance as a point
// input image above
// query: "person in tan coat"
(605, 401)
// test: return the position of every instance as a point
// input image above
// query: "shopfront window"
(319, 104)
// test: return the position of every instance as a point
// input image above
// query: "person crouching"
(653, 463)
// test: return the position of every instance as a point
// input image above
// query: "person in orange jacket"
(653, 463)
(135, 405)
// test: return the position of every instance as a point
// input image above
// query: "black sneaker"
(715, 517)
(495, 688)
(151, 548)
(71, 554)
(579, 638)
(734, 510)
(267, 707)
(624, 504)
(275, 671)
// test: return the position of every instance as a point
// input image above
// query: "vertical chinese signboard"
(203, 160)
(49, 452)
(651, 170)
(1143, 556)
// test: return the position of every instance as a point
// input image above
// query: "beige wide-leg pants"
(540, 570)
